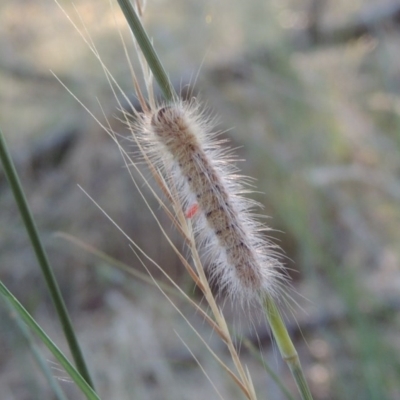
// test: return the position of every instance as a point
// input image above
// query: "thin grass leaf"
(117, 264)
(43, 261)
(38, 357)
(29, 320)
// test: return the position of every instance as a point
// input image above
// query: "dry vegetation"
(319, 127)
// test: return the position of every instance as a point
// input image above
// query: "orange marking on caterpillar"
(192, 211)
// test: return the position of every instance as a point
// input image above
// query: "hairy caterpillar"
(179, 139)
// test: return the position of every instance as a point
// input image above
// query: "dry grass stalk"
(199, 179)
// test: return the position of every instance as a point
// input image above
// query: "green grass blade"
(69, 368)
(286, 347)
(147, 49)
(41, 256)
(39, 359)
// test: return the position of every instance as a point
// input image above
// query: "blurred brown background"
(310, 90)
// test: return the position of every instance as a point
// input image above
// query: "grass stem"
(41, 256)
(147, 49)
(41, 362)
(286, 346)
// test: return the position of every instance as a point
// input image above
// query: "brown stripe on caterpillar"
(179, 134)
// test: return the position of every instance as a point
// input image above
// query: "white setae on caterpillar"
(179, 141)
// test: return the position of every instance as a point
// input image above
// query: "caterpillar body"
(180, 139)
